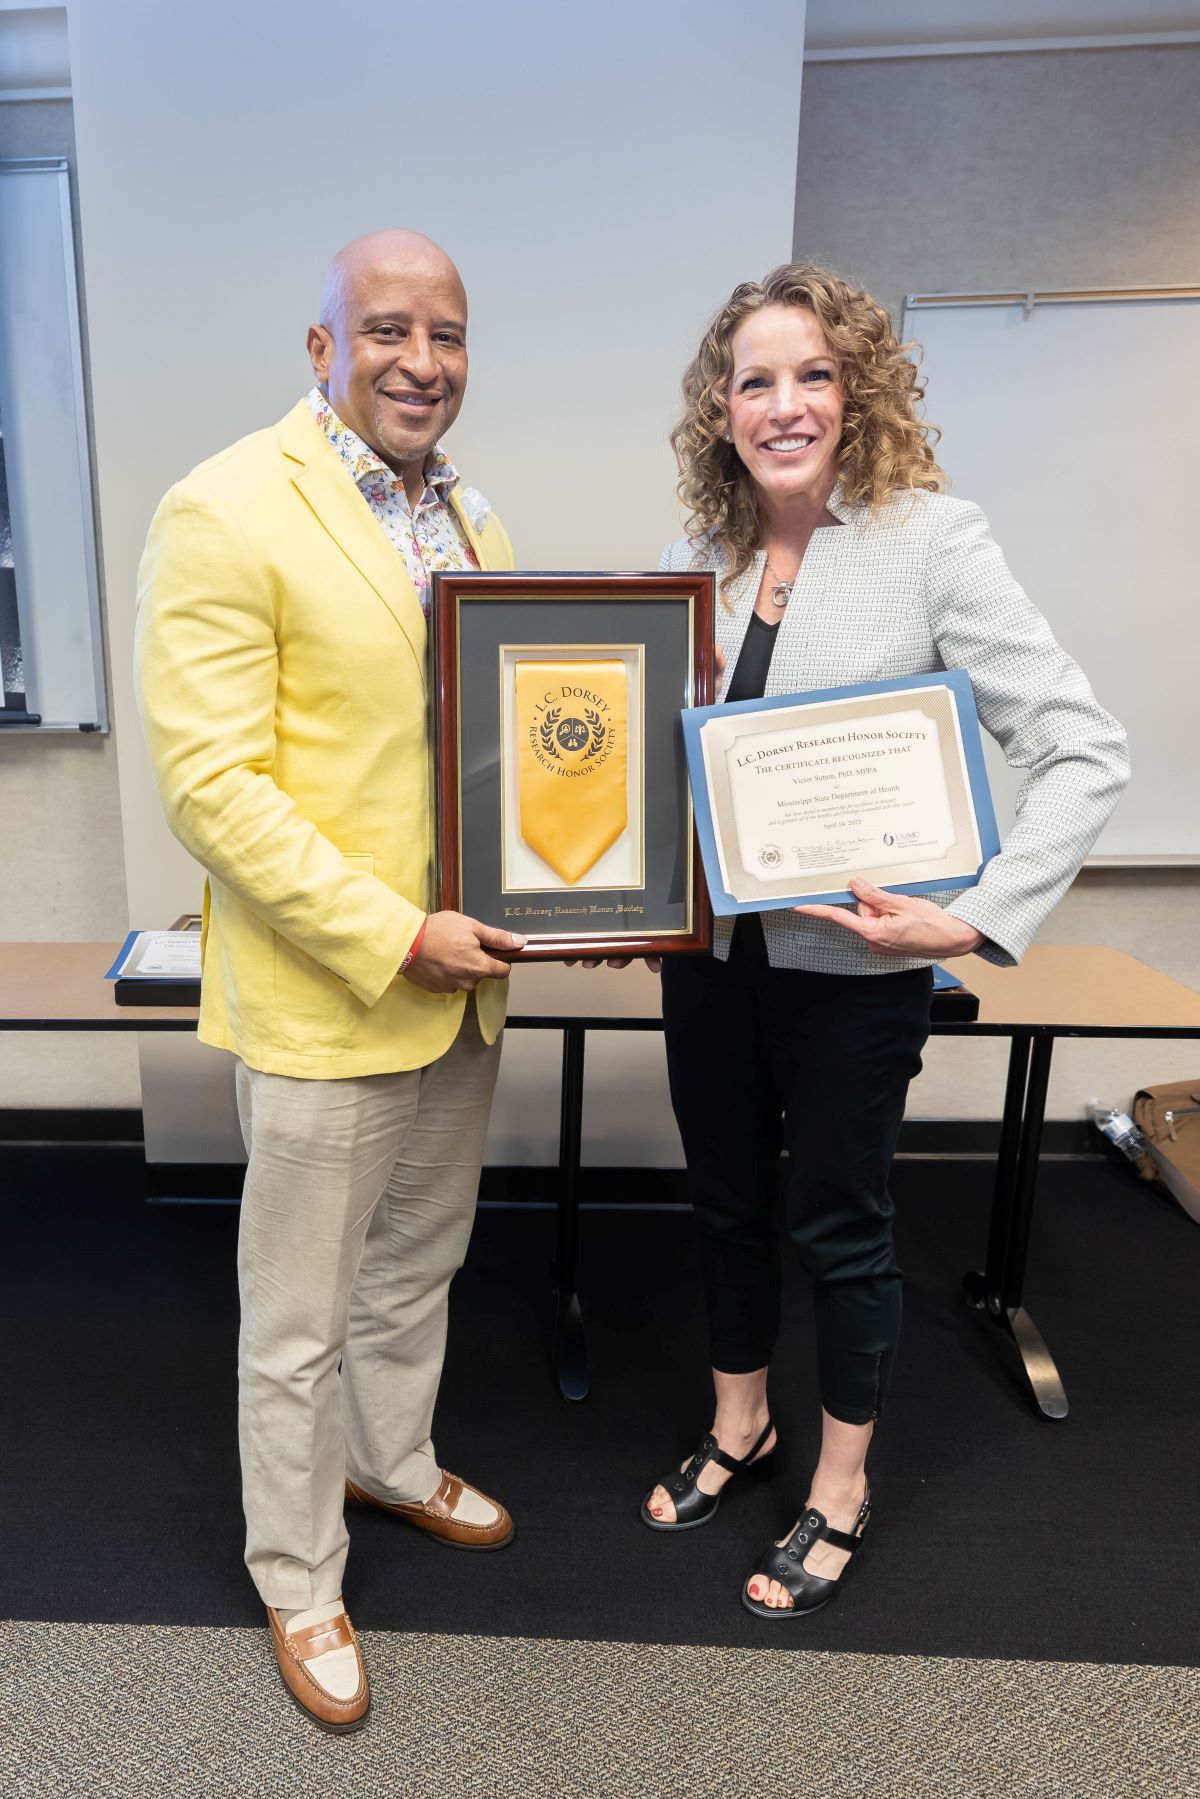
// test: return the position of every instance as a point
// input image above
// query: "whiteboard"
(43, 417)
(1075, 423)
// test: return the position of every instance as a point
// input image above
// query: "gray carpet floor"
(118, 1711)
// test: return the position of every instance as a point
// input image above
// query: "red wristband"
(414, 946)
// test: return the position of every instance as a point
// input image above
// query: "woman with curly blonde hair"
(815, 497)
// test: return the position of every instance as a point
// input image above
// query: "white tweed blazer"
(921, 586)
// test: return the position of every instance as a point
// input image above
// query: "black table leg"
(1043, 1376)
(570, 1347)
(1007, 1160)
(999, 1289)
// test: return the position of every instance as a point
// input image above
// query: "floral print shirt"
(429, 537)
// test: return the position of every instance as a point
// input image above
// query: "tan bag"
(1169, 1119)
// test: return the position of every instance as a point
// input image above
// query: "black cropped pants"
(764, 1059)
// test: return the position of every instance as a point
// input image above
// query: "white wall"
(596, 171)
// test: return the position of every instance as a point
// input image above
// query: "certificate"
(158, 955)
(797, 793)
(564, 810)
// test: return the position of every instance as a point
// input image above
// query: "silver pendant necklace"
(781, 592)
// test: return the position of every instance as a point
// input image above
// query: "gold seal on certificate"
(886, 782)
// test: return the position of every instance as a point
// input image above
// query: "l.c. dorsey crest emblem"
(562, 738)
(572, 727)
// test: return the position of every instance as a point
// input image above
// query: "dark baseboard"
(54, 1125)
(597, 1187)
(194, 1183)
(981, 1137)
(220, 1183)
(918, 1137)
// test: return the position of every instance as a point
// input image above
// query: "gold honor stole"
(572, 741)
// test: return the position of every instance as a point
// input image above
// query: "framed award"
(564, 810)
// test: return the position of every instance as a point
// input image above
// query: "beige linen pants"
(356, 1214)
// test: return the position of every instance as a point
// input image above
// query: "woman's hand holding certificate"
(900, 924)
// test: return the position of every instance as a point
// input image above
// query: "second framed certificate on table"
(564, 810)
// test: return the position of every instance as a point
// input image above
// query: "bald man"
(282, 668)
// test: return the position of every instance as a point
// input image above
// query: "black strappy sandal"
(692, 1507)
(785, 1563)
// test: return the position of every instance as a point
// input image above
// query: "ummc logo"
(888, 839)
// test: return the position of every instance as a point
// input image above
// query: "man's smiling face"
(391, 350)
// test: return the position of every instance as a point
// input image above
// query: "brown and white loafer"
(322, 1666)
(458, 1514)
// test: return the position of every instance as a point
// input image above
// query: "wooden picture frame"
(642, 894)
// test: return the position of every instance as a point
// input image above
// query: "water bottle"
(1119, 1128)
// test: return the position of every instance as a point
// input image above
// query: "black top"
(753, 665)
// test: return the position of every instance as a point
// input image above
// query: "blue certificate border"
(115, 971)
(959, 683)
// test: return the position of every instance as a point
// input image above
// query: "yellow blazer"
(281, 670)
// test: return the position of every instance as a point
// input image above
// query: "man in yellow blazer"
(283, 667)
